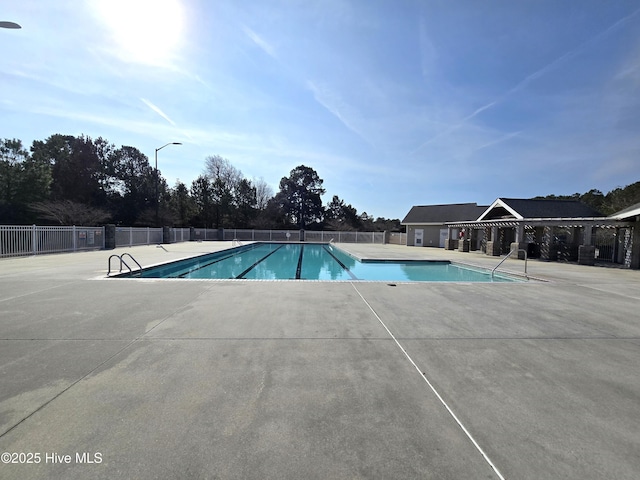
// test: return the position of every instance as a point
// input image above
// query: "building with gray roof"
(427, 224)
(551, 229)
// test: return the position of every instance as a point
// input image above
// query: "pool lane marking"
(424, 376)
(353, 277)
(217, 260)
(299, 267)
(259, 261)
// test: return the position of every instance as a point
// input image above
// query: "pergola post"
(547, 251)
(493, 245)
(519, 243)
(635, 247)
(451, 242)
(587, 251)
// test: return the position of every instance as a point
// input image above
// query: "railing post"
(75, 245)
(34, 239)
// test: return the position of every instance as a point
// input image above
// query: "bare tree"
(264, 193)
(67, 212)
(218, 168)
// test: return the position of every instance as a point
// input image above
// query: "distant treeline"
(614, 201)
(72, 180)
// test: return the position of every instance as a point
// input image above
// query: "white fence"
(309, 236)
(261, 235)
(180, 235)
(344, 237)
(33, 240)
(397, 238)
(205, 234)
(130, 236)
(20, 240)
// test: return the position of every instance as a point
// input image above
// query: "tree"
(621, 198)
(334, 209)
(13, 158)
(36, 181)
(225, 180)
(245, 202)
(341, 216)
(67, 212)
(390, 225)
(272, 216)
(201, 192)
(366, 221)
(181, 204)
(614, 201)
(79, 175)
(76, 168)
(264, 193)
(217, 167)
(300, 197)
(595, 199)
(135, 181)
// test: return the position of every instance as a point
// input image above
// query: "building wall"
(431, 236)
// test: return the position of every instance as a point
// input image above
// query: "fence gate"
(609, 243)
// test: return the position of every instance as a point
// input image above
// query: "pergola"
(542, 229)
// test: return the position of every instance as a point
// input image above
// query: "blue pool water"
(309, 261)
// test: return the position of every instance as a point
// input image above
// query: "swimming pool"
(311, 261)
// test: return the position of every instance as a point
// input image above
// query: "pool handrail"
(507, 256)
(122, 262)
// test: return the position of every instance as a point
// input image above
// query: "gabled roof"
(440, 214)
(627, 213)
(519, 208)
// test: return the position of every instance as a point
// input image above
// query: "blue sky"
(394, 103)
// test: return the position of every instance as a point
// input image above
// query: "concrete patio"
(292, 379)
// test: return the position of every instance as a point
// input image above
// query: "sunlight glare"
(144, 31)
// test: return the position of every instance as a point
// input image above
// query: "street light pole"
(157, 199)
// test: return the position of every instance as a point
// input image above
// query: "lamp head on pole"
(11, 25)
(167, 144)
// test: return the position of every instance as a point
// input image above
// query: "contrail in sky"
(158, 111)
(534, 76)
(260, 42)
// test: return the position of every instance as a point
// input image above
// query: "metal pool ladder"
(122, 262)
(507, 256)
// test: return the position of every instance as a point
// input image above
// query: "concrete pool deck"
(288, 380)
